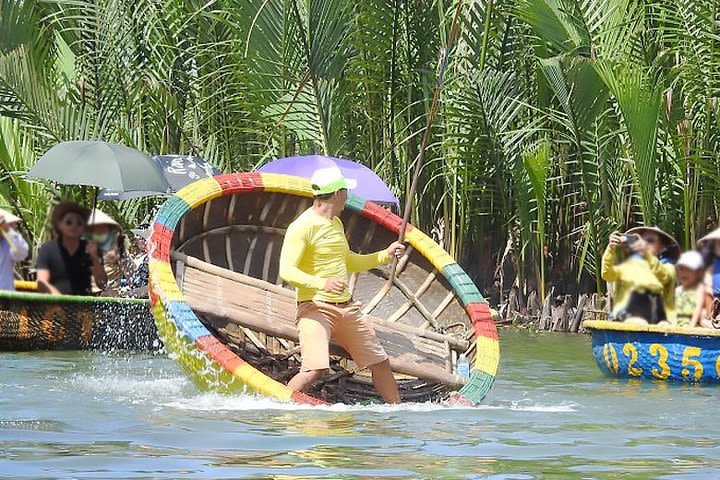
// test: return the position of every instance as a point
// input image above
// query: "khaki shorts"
(318, 322)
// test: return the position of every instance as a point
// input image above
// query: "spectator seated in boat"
(67, 263)
(13, 248)
(710, 244)
(316, 259)
(690, 269)
(107, 233)
(644, 282)
(138, 281)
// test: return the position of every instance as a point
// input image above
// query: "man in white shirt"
(13, 248)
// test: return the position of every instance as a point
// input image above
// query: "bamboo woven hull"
(222, 311)
(36, 321)
(656, 353)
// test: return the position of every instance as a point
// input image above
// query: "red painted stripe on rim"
(482, 320)
(219, 352)
(384, 217)
(300, 397)
(161, 240)
(239, 182)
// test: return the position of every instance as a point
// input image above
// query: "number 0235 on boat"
(656, 353)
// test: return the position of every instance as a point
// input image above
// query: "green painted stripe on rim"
(477, 386)
(463, 286)
(355, 203)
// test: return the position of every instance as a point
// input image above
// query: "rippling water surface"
(550, 415)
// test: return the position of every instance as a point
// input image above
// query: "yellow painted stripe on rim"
(163, 281)
(427, 247)
(200, 192)
(626, 327)
(275, 182)
(487, 356)
(261, 383)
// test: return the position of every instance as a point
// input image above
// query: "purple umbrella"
(370, 186)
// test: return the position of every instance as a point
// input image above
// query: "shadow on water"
(551, 415)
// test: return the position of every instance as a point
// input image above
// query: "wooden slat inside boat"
(224, 313)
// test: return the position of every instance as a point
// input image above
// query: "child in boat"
(689, 293)
(643, 283)
(13, 248)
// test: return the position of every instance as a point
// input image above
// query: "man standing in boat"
(316, 259)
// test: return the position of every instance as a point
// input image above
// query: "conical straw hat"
(98, 217)
(714, 235)
(8, 217)
(673, 247)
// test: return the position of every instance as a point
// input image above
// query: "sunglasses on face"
(73, 222)
(651, 238)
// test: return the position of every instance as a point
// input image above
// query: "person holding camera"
(644, 282)
(67, 264)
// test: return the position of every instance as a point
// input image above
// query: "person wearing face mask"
(67, 264)
(104, 230)
(710, 244)
(644, 282)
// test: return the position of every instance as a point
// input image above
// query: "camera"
(630, 239)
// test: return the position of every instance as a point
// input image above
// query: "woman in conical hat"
(644, 283)
(111, 243)
(13, 249)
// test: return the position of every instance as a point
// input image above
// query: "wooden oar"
(442, 68)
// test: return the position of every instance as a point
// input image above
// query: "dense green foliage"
(559, 121)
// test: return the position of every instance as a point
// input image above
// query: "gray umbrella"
(99, 164)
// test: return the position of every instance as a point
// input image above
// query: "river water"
(551, 415)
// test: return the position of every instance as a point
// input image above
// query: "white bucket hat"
(692, 260)
(328, 180)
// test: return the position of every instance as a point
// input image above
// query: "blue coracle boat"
(656, 353)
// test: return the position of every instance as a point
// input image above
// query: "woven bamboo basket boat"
(656, 353)
(36, 321)
(225, 316)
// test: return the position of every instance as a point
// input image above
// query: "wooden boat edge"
(625, 327)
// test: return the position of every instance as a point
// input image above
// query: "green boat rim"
(47, 297)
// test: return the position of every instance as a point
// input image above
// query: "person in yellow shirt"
(644, 283)
(316, 260)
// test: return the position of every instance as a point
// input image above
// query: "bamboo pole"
(442, 69)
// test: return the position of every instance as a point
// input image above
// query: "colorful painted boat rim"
(212, 365)
(656, 353)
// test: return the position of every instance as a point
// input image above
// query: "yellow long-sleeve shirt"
(636, 274)
(316, 249)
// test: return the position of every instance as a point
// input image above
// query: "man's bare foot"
(455, 399)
